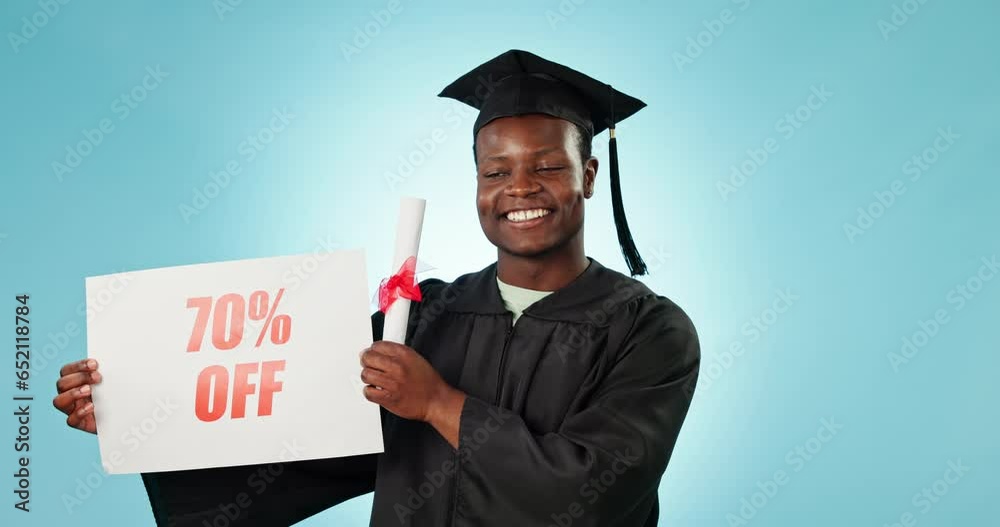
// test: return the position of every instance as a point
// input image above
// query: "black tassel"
(636, 266)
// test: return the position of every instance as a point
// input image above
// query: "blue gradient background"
(323, 178)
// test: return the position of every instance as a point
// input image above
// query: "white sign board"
(233, 363)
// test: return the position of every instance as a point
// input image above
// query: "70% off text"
(228, 315)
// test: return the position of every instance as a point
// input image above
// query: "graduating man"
(545, 389)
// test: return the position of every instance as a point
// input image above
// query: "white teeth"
(518, 216)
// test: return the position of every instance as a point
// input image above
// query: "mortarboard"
(518, 83)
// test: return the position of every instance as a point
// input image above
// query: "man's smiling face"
(531, 183)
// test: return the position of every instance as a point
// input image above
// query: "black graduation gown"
(571, 417)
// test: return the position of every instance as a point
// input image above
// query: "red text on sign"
(213, 392)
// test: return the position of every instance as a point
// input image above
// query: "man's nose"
(522, 182)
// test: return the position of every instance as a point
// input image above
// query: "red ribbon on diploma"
(402, 284)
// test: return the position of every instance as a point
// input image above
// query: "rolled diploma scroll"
(411, 220)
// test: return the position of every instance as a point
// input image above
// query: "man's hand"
(404, 383)
(74, 398)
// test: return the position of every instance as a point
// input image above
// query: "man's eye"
(494, 174)
(550, 169)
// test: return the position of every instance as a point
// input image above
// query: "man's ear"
(589, 175)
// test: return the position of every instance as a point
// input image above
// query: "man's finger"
(391, 349)
(75, 380)
(378, 379)
(84, 408)
(379, 361)
(78, 366)
(380, 397)
(66, 401)
(77, 418)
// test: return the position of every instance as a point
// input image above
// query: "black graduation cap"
(518, 83)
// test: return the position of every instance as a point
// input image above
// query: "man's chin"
(523, 250)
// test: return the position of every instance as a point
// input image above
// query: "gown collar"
(597, 288)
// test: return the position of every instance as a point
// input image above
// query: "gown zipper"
(503, 356)
(496, 402)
